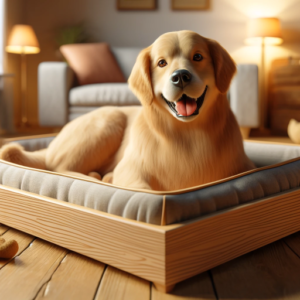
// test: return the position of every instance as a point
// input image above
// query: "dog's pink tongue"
(186, 106)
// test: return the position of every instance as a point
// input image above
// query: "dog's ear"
(140, 78)
(224, 65)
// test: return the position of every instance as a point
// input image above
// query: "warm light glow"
(22, 39)
(267, 41)
(262, 8)
(265, 30)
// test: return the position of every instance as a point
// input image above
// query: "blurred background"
(60, 22)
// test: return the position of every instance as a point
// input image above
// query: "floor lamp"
(22, 40)
(262, 32)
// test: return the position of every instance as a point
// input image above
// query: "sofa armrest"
(243, 95)
(55, 80)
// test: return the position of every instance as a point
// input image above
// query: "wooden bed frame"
(164, 255)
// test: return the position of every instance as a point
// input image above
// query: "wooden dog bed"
(162, 237)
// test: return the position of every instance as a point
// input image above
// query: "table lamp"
(263, 31)
(22, 40)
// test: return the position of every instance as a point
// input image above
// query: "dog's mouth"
(186, 106)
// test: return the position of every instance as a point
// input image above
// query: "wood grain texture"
(136, 247)
(163, 288)
(23, 240)
(196, 288)
(280, 118)
(76, 278)
(271, 272)
(3, 229)
(117, 284)
(293, 241)
(23, 277)
(165, 255)
(222, 236)
(286, 96)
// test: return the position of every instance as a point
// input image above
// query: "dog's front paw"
(12, 153)
(95, 175)
(108, 178)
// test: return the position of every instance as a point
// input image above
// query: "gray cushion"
(102, 94)
(264, 154)
(34, 144)
(126, 58)
(54, 82)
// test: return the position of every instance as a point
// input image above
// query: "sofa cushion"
(77, 111)
(92, 63)
(117, 94)
(126, 58)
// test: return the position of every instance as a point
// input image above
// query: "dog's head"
(181, 71)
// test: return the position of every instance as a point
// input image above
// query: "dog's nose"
(181, 78)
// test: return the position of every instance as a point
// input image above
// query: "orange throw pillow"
(92, 63)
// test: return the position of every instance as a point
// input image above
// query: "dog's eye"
(162, 63)
(197, 57)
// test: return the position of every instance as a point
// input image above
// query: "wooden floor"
(42, 270)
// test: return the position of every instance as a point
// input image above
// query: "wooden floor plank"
(3, 229)
(23, 240)
(76, 278)
(293, 241)
(196, 288)
(117, 284)
(23, 277)
(271, 272)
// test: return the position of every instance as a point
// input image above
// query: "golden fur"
(149, 147)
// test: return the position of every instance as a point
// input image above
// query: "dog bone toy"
(294, 131)
(8, 249)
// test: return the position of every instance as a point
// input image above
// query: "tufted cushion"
(103, 94)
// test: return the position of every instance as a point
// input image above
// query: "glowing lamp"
(22, 40)
(263, 31)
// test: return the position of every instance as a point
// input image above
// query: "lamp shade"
(22, 39)
(264, 29)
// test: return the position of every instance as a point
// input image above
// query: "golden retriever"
(183, 135)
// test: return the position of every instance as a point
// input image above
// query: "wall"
(225, 22)
(1, 34)
(14, 14)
